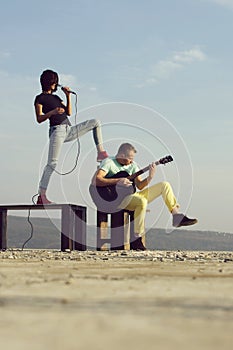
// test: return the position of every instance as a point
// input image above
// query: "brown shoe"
(137, 244)
(182, 220)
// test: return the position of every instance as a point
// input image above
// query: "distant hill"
(46, 235)
(181, 239)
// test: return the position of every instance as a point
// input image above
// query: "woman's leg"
(83, 128)
(56, 139)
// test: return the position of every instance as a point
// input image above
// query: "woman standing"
(49, 106)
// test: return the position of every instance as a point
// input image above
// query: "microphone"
(71, 92)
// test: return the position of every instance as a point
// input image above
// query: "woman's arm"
(68, 106)
(41, 117)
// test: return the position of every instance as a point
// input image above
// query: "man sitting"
(137, 201)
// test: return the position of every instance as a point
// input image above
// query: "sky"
(156, 73)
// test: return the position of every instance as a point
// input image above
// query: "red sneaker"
(101, 156)
(42, 199)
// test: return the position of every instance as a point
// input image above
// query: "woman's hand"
(66, 90)
(58, 110)
(43, 117)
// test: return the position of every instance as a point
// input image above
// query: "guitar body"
(111, 193)
(111, 196)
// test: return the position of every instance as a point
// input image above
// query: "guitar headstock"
(166, 160)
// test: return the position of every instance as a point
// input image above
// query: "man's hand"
(123, 181)
(152, 170)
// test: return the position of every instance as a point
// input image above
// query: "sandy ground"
(116, 300)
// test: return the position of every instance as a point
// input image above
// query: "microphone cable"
(30, 223)
(31, 233)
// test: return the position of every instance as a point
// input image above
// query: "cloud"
(178, 61)
(67, 79)
(189, 56)
(93, 88)
(4, 55)
(163, 69)
(225, 3)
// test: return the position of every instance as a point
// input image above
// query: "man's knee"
(166, 186)
(95, 122)
(142, 202)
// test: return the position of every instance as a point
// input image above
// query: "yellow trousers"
(138, 201)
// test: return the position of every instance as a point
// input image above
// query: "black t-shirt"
(50, 102)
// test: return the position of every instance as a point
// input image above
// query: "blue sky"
(156, 66)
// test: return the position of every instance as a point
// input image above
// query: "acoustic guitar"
(114, 194)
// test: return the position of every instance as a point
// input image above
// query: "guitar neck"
(139, 172)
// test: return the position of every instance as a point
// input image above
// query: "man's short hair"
(125, 148)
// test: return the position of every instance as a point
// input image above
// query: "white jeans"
(65, 133)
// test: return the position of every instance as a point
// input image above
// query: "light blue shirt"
(111, 166)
